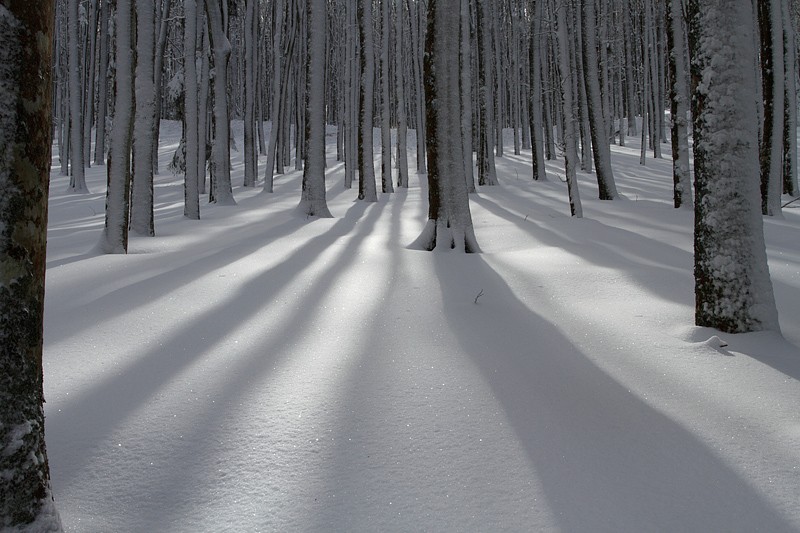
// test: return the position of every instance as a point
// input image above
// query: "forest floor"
(257, 371)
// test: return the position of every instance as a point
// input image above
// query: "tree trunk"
(449, 221)
(402, 122)
(77, 182)
(386, 132)
(114, 239)
(102, 87)
(733, 292)
(26, 34)
(772, 75)
(250, 69)
(679, 99)
(191, 196)
(537, 144)
(312, 201)
(144, 121)
(466, 95)
(570, 134)
(367, 190)
(790, 185)
(221, 191)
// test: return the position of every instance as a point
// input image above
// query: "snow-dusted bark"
(772, 73)
(114, 239)
(449, 220)
(77, 181)
(367, 190)
(679, 105)
(144, 121)
(402, 121)
(312, 200)
(191, 196)
(570, 131)
(599, 131)
(733, 291)
(202, 98)
(26, 34)
(221, 192)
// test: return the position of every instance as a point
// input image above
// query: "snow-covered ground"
(256, 371)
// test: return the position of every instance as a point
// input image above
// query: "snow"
(255, 371)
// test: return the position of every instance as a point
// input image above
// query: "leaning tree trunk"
(733, 292)
(449, 221)
(26, 34)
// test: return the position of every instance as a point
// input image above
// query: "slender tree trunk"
(386, 132)
(88, 106)
(402, 122)
(570, 135)
(144, 122)
(277, 69)
(202, 103)
(191, 197)
(220, 151)
(790, 185)
(77, 182)
(679, 100)
(114, 239)
(599, 130)
(163, 25)
(367, 190)
(250, 70)
(487, 173)
(537, 145)
(102, 87)
(772, 76)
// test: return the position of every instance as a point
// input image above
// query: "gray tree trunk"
(772, 77)
(77, 182)
(367, 190)
(191, 196)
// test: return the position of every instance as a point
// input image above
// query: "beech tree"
(449, 223)
(312, 201)
(733, 292)
(26, 34)
(77, 182)
(679, 104)
(367, 190)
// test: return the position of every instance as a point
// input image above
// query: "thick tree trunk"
(26, 34)
(449, 221)
(733, 292)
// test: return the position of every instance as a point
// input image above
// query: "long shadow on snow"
(251, 372)
(607, 461)
(182, 348)
(644, 258)
(184, 270)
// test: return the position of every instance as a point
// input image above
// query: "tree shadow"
(607, 461)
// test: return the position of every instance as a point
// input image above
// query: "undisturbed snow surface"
(256, 371)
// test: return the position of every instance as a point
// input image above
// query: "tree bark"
(26, 34)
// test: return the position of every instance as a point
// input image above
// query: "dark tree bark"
(26, 34)
(449, 220)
